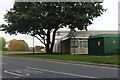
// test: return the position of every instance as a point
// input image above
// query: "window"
(74, 43)
(79, 42)
(98, 43)
(85, 43)
(114, 41)
(61, 33)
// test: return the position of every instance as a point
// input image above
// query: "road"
(22, 67)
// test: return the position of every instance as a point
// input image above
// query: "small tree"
(42, 20)
(25, 44)
(2, 43)
(17, 45)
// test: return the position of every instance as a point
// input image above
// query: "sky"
(107, 21)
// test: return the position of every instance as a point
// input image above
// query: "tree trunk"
(47, 49)
(49, 46)
(53, 40)
(48, 42)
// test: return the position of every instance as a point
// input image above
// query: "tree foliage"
(17, 45)
(42, 20)
(2, 43)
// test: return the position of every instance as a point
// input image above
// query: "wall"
(111, 45)
(96, 46)
(64, 47)
(79, 50)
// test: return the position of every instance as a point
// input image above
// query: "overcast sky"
(108, 21)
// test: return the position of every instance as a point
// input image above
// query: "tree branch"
(42, 37)
(40, 40)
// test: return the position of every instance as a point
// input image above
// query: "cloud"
(5, 5)
(109, 19)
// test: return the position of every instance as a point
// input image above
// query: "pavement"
(24, 67)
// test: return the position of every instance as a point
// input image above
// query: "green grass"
(81, 58)
(15, 52)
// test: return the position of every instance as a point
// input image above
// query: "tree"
(42, 20)
(2, 43)
(17, 45)
(25, 44)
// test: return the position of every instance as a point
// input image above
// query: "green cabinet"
(103, 44)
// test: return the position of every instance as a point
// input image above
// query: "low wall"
(79, 50)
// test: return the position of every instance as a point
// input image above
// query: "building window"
(98, 43)
(57, 34)
(114, 41)
(61, 33)
(79, 42)
(85, 43)
(74, 44)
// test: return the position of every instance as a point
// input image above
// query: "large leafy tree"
(42, 20)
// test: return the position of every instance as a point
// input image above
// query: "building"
(70, 42)
(103, 44)
(58, 37)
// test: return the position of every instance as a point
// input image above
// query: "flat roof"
(104, 35)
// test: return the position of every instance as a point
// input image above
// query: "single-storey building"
(70, 42)
(103, 44)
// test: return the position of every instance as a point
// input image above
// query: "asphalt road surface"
(21, 67)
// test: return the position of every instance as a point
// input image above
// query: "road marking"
(17, 73)
(3, 77)
(95, 66)
(17, 77)
(32, 59)
(2, 63)
(30, 71)
(61, 72)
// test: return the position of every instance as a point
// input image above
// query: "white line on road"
(30, 71)
(8, 56)
(17, 73)
(61, 72)
(2, 76)
(2, 63)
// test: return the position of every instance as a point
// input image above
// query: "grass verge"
(81, 58)
(16, 52)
